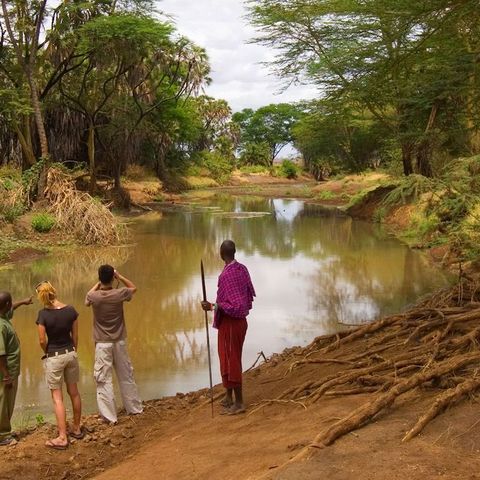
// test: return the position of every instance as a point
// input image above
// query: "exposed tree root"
(443, 401)
(434, 345)
(364, 413)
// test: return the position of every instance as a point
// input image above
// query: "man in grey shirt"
(109, 333)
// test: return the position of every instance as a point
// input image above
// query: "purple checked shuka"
(235, 292)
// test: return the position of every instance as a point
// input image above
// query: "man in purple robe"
(234, 301)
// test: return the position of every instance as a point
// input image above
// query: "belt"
(60, 352)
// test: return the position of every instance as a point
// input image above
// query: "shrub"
(43, 222)
(288, 169)
(256, 154)
(325, 195)
(255, 169)
(379, 215)
(10, 213)
(218, 166)
(7, 171)
(137, 172)
(8, 184)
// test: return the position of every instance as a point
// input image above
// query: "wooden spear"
(204, 290)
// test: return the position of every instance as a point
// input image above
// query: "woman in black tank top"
(58, 336)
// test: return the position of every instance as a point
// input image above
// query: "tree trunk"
(91, 159)
(37, 112)
(424, 148)
(472, 110)
(424, 154)
(407, 158)
(24, 137)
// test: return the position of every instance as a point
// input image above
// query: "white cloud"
(237, 73)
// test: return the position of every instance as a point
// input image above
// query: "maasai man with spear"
(234, 301)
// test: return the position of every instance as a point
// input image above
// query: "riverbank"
(311, 412)
(21, 242)
(361, 196)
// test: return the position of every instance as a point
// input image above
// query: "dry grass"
(79, 213)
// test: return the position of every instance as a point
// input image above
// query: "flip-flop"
(233, 410)
(50, 444)
(236, 411)
(77, 436)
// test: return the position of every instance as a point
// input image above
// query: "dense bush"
(43, 222)
(137, 172)
(10, 213)
(219, 167)
(288, 169)
(256, 154)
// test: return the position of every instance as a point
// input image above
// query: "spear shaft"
(204, 290)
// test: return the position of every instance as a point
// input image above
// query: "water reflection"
(312, 274)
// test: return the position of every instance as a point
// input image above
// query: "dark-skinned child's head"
(5, 302)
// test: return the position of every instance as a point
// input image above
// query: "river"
(313, 274)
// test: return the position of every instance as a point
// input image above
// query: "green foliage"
(408, 74)
(43, 222)
(8, 184)
(255, 154)
(8, 172)
(11, 213)
(409, 189)
(421, 226)
(288, 169)
(358, 197)
(270, 125)
(30, 177)
(218, 166)
(379, 215)
(39, 419)
(325, 195)
(334, 137)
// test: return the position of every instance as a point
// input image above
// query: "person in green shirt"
(9, 364)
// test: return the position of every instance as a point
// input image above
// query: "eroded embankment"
(392, 378)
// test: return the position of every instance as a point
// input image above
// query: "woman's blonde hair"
(46, 293)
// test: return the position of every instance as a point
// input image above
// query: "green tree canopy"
(270, 125)
(399, 61)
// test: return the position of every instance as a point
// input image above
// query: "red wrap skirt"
(231, 335)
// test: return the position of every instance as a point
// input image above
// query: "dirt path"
(257, 446)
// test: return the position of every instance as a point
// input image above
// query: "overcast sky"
(238, 76)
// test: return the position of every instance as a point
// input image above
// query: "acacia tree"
(332, 136)
(269, 125)
(371, 55)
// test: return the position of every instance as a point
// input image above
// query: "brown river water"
(313, 274)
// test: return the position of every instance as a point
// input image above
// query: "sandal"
(55, 446)
(226, 403)
(78, 436)
(235, 410)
